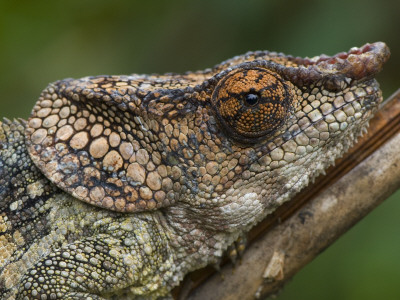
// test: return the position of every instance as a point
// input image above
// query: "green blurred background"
(43, 41)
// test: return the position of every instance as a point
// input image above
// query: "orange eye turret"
(251, 103)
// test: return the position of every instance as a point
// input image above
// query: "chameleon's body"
(174, 168)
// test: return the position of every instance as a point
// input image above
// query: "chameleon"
(118, 186)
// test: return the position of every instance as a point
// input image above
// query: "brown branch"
(298, 231)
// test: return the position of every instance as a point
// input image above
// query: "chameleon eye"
(251, 103)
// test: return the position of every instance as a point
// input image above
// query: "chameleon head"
(227, 145)
(292, 117)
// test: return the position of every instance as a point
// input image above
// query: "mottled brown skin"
(171, 169)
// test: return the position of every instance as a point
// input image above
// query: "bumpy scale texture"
(170, 169)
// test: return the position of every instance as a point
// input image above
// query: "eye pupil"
(251, 99)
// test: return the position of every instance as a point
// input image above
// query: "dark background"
(43, 41)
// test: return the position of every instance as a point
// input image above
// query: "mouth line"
(366, 108)
(348, 141)
(371, 106)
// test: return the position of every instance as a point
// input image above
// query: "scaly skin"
(170, 169)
